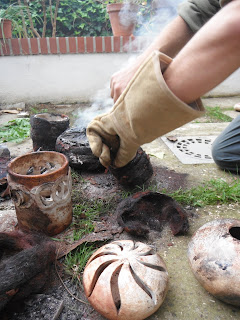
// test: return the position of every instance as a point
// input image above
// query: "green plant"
(36, 110)
(82, 18)
(75, 261)
(121, 1)
(13, 12)
(215, 191)
(15, 130)
(215, 113)
(85, 214)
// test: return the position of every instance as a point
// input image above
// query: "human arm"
(170, 41)
(192, 16)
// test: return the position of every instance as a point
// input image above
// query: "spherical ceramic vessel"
(214, 256)
(125, 280)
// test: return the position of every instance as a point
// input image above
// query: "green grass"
(216, 114)
(33, 110)
(15, 130)
(85, 214)
(75, 261)
(213, 192)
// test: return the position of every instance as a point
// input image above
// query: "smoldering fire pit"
(74, 144)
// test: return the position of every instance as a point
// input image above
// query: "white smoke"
(164, 12)
(102, 103)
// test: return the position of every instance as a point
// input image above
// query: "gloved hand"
(146, 109)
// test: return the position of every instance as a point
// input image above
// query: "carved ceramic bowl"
(125, 280)
(214, 256)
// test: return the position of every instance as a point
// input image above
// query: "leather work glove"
(146, 110)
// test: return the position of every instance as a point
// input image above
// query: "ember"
(145, 211)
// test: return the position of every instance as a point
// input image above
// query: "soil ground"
(186, 298)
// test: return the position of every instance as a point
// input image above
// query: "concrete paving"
(186, 298)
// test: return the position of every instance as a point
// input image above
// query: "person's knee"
(223, 156)
(217, 153)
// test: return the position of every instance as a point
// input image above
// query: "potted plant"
(122, 16)
(11, 17)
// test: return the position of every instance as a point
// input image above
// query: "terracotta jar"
(122, 25)
(125, 280)
(214, 256)
(40, 185)
(5, 29)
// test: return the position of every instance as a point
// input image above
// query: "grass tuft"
(213, 192)
(75, 261)
(216, 114)
(85, 214)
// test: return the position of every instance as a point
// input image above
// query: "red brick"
(15, 47)
(89, 42)
(25, 46)
(43, 45)
(116, 44)
(1, 44)
(62, 45)
(5, 48)
(72, 45)
(99, 47)
(81, 48)
(34, 45)
(108, 44)
(126, 44)
(53, 45)
(134, 44)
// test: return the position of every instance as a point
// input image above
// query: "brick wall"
(72, 45)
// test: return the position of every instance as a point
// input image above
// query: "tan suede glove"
(146, 109)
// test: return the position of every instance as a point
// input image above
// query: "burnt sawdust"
(40, 293)
(55, 302)
(104, 184)
(146, 211)
(169, 180)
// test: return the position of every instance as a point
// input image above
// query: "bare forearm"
(170, 41)
(208, 58)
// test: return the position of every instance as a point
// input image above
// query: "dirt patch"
(55, 301)
(169, 180)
